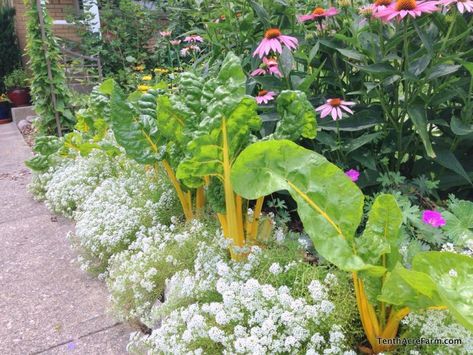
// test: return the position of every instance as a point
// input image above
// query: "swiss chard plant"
(228, 123)
(330, 206)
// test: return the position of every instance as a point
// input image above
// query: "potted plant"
(5, 115)
(17, 88)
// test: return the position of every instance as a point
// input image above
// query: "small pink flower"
(403, 8)
(165, 33)
(353, 174)
(334, 107)
(265, 96)
(273, 38)
(175, 42)
(193, 39)
(462, 5)
(433, 218)
(269, 66)
(318, 13)
(186, 50)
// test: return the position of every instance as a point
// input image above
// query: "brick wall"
(57, 9)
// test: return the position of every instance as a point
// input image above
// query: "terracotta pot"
(5, 115)
(19, 96)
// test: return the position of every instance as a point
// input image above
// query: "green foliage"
(45, 149)
(10, 56)
(330, 207)
(39, 53)
(16, 79)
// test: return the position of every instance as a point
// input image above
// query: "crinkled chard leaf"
(329, 204)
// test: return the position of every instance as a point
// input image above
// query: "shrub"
(10, 56)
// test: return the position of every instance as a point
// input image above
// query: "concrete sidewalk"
(47, 304)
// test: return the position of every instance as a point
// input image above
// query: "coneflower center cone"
(335, 102)
(406, 5)
(318, 11)
(272, 33)
(383, 2)
(262, 92)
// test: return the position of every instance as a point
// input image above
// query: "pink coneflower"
(165, 33)
(265, 96)
(375, 7)
(403, 8)
(334, 107)
(175, 42)
(186, 50)
(353, 174)
(462, 5)
(269, 66)
(318, 13)
(273, 38)
(193, 39)
(434, 218)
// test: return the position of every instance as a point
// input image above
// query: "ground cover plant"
(279, 177)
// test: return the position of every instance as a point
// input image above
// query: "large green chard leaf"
(403, 287)
(453, 276)
(329, 204)
(382, 231)
(297, 116)
(130, 132)
(436, 279)
(224, 104)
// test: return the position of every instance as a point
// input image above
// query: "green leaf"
(382, 231)
(349, 53)
(106, 87)
(128, 130)
(459, 222)
(453, 276)
(329, 204)
(414, 289)
(419, 65)
(379, 68)
(447, 159)
(460, 128)
(286, 61)
(297, 116)
(313, 52)
(418, 116)
(442, 70)
(260, 12)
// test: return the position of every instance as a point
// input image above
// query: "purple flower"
(193, 39)
(272, 41)
(269, 66)
(353, 174)
(265, 96)
(334, 108)
(433, 218)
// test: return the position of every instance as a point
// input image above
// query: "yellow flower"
(147, 78)
(140, 67)
(143, 88)
(161, 70)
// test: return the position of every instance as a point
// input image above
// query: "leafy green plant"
(10, 55)
(16, 79)
(331, 206)
(41, 52)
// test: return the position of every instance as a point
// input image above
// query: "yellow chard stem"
(183, 199)
(235, 233)
(200, 200)
(256, 215)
